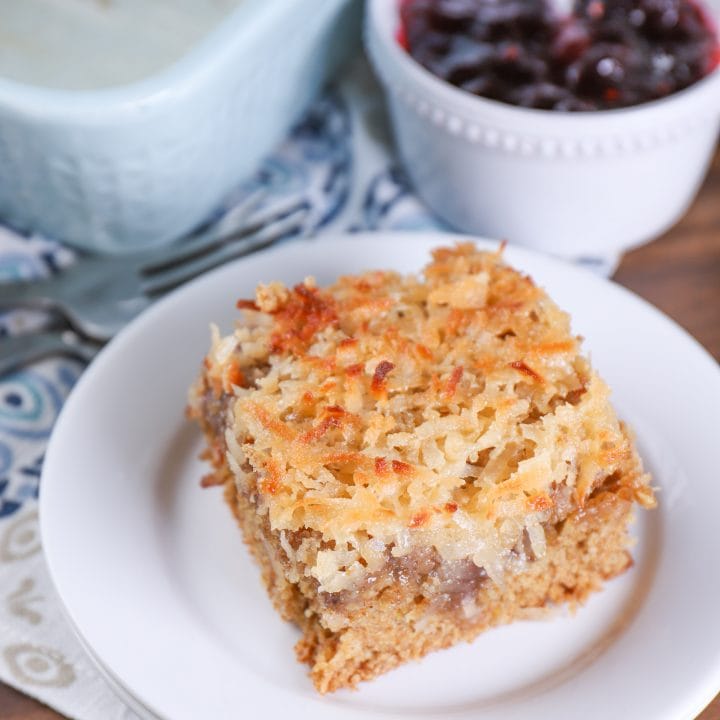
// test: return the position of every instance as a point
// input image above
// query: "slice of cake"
(413, 461)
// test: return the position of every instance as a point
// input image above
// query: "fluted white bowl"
(573, 184)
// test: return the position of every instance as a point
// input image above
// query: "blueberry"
(570, 103)
(543, 96)
(484, 86)
(606, 54)
(466, 60)
(452, 15)
(571, 40)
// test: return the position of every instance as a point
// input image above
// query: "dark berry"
(542, 95)
(606, 54)
(452, 15)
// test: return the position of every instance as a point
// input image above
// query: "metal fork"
(98, 295)
(19, 350)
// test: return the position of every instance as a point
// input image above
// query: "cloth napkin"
(339, 160)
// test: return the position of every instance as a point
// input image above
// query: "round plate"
(155, 578)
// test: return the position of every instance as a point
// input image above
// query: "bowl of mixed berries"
(582, 129)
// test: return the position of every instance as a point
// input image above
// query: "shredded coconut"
(393, 413)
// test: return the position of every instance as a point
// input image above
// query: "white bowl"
(572, 184)
(118, 168)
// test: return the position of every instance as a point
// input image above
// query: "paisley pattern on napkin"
(312, 169)
(26, 258)
(390, 204)
(30, 402)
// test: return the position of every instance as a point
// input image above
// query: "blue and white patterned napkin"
(338, 160)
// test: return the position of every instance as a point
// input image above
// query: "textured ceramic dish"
(162, 558)
(573, 184)
(118, 168)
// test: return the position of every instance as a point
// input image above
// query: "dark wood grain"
(14, 706)
(679, 273)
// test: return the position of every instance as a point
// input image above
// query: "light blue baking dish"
(120, 168)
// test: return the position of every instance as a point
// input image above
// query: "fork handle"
(19, 350)
(24, 294)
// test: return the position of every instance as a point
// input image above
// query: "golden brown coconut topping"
(390, 412)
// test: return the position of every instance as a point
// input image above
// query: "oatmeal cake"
(415, 460)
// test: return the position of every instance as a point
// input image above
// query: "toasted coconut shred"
(388, 413)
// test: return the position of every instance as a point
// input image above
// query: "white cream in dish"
(90, 44)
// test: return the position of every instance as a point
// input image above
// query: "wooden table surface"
(679, 273)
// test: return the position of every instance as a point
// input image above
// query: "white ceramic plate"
(156, 580)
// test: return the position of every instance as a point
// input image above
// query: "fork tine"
(266, 236)
(28, 294)
(98, 295)
(237, 224)
(19, 350)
